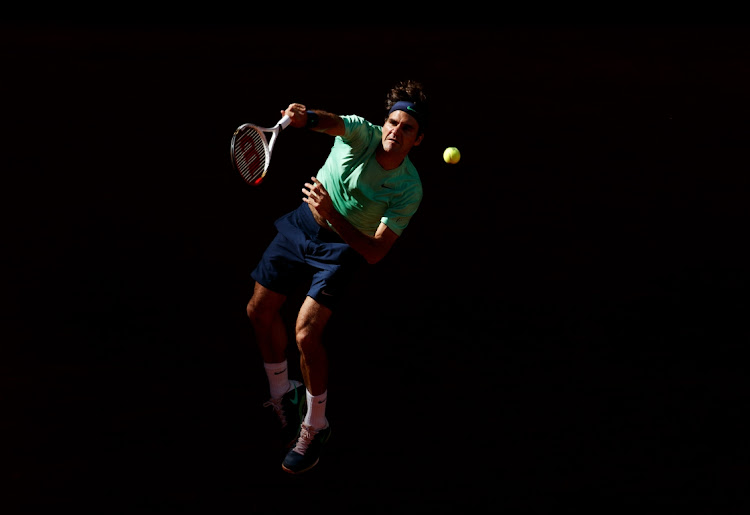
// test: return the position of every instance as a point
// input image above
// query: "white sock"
(316, 410)
(278, 378)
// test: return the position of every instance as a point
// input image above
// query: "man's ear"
(419, 139)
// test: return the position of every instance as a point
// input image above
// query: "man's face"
(400, 133)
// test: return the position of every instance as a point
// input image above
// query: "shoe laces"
(306, 436)
(278, 408)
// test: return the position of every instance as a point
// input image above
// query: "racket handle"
(284, 121)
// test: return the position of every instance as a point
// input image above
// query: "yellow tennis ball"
(451, 155)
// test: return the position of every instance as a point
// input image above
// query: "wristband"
(312, 120)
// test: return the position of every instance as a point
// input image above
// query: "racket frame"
(267, 146)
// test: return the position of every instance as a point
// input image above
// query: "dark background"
(563, 320)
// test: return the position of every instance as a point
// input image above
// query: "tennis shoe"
(290, 410)
(306, 454)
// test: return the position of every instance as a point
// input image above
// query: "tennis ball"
(451, 155)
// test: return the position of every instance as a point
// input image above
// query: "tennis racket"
(251, 150)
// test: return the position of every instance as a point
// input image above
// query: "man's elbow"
(374, 256)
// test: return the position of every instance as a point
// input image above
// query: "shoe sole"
(295, 472)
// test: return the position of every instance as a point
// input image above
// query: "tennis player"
(352, 213)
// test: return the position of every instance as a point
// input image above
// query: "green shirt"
(361, 189)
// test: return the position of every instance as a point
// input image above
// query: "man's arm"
(372, 248)
(328, 123)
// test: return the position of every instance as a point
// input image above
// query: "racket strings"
(250, 155)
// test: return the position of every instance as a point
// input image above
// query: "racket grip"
(285, 121)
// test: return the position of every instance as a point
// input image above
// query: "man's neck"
(388, 161)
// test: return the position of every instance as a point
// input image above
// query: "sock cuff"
(275, 367)
(322, 397)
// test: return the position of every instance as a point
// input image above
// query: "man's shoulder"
(352, 121)
(358, 131)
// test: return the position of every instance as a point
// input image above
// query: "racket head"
(250, 153)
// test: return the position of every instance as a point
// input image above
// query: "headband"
(410, 108)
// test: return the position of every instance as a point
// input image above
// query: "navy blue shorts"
(304, 251)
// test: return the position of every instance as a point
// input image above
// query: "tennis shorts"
(304, 251)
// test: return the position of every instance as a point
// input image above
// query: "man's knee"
(257, 312)
(307, 341)
(251, 310)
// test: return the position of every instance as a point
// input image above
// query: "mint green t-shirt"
(361, 189)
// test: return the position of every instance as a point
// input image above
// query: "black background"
(563, 320)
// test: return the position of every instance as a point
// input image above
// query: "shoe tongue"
(305, 437)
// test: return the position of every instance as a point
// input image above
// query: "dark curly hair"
(412, 91)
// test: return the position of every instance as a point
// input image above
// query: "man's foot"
(306, 453)
(290, 410)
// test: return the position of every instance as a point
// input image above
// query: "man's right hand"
(297, 114)
(328, 123)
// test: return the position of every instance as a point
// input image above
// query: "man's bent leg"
(288, 398)
(311, 322)
(270, 333)
(315, 430)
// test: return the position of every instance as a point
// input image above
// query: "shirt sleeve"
(399, 214)
(357, 131)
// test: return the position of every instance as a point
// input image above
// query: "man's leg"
(314, 431)
(288, 398)
(311, 322)
(270, 333)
